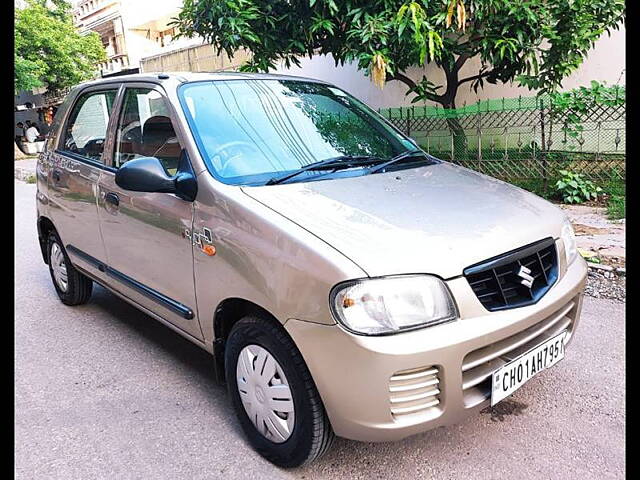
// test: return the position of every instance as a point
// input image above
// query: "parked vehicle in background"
(345, 282)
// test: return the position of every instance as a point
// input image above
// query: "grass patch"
(534, 185)
(616, 207)
(616, 202)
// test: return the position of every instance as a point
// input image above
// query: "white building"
(130, 30)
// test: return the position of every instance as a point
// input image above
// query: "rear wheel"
(72, 287)
(273, 394)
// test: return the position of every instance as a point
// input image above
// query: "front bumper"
(387, 388)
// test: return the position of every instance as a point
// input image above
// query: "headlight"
(392, 304)
(569, 239)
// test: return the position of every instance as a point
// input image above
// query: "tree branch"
(412, 85)
(462, 58)
(474, 77)
(471, 41)
(404, 79)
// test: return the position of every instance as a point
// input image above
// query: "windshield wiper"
(397, 158)
(334, 163)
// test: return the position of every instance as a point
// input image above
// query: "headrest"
(157, 129)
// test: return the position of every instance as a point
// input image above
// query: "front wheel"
(273, 394)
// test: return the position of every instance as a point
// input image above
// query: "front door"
(76, 166)
(150, 259)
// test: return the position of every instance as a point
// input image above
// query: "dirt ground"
(598, 236)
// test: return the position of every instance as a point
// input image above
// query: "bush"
(579, 102)
(574, 188)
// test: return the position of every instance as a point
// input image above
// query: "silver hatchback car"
(345, 282)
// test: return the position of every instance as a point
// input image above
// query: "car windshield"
(251, 131)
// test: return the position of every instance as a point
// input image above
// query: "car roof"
(184, 77)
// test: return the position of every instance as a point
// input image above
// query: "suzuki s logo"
(527, 280)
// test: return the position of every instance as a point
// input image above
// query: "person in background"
(32, 132)
(20, 126)
(20, 136)
(33, 124)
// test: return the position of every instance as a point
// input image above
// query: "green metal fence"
(519, 138)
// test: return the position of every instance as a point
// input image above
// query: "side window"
(86, 128)
(145, 130)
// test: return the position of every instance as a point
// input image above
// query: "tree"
(49, 51)
(535, 42)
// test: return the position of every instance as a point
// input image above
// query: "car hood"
(436, 219)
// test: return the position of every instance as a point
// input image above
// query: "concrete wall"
(198, 58)
(605, 62)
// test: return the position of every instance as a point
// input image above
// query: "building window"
(165, 37)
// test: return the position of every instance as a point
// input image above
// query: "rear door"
(76, 166)
(150, 257)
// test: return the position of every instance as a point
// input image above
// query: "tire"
(311, 434)
(78, 287)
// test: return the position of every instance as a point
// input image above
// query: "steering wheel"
(231, 151)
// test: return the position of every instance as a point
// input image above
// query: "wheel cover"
(59, 267)
(265, 393)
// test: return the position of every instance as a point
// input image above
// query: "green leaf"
(48, 49)
(432, 47)
(537, 43)
(401, 12)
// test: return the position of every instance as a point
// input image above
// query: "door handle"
(56, 175)
(112, 198)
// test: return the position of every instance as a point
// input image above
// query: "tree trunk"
(458, 146)
(459, 138)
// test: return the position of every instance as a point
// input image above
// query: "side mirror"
(146, 174)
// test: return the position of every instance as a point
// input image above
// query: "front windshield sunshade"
(250, 131)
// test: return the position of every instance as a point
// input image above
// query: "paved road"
(103, 391)
(24, 168)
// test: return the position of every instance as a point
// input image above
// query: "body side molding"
(149, 292)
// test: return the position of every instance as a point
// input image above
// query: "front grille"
(414, 391)
(497, 284)
(479, 365)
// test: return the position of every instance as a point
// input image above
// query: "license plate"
(510, 377)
